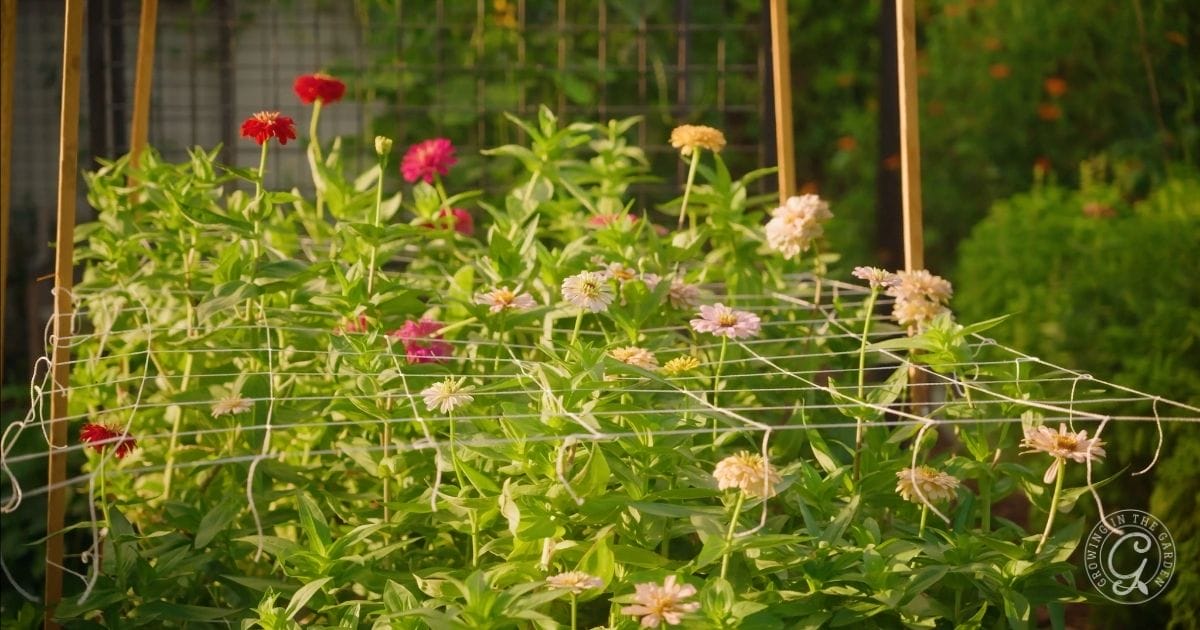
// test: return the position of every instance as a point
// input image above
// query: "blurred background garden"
(1059, 143)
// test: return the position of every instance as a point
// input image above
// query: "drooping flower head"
(656, 603)
(426, 159)
(796, 224)
(266, 125)
(933, 484)
(457, 218)
(422, 343)
(688, 138)
(723, 321)
(447, 395)
(503, 299)
(1062, 445)
(747, 472)
(230, 405)
(100, 437)
(575, 581)
(635, 356)
(588, 290)
(679, 365)
(318, 87)
(874, 276)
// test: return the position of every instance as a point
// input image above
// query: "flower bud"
(383, 145)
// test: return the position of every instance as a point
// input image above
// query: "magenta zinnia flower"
(723, 321)
(266, 125)
(459, 219)
(421, 342)
(426, 159)
(318, 87)
(100, 437)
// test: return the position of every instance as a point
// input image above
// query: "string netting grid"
(766, 387)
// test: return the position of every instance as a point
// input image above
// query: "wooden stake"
(68, 174)
(781, 78)
(8, 54)
(144, 75)
(910, 140)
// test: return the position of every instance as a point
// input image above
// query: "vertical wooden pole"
(68, 156)
(781, 77)
(8, 54)
(910, 141)
(144, 74)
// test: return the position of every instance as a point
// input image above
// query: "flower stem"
(924, 517)
(312, 128)
(862, 369)
(374, 218)
(1058, 484)
(578, 324)
(717, 383)
(687, 190)
(441, 191)
(733, 520)
(574, 611)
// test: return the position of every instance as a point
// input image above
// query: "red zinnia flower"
(318, 87)
(266, 125)
(459, 219)
(101, 437)
(422, 344)
(425, 159)
(352, 325)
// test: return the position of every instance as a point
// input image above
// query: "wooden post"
(8, 54)
(910, 141)
(781, 77)
(64, 268)
(144, 75)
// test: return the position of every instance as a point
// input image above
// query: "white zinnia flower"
(635, 356)
(656, 604)
(447, 395)
(934, 485)
(231, 405)
(501, 299)
(723, 321)
(796, 224)
(874, 276)
(1064, 444)
(747, 472)
(588, 290)
(574, 581)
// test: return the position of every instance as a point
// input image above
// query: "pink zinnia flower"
(352, 325)
(426, 159)
(459, 219)
(318, 87)
(663, 604)
(422, 344)
(100, 437)
(608, 218)
(266, 125)
(723, 321)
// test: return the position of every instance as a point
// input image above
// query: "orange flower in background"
(1042, 165)
(992, 44)
(1049, 111)
(266, 125)
(318, 87)
(809, 188)
(936, 108)
(1177, 38)
(847, 143)
(892, 162)
(999, 70)
(1055, 86)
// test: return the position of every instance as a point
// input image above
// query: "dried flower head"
(427, 159)
(100, 437)
(266, 125)
(874, 276)
(679, 365)
(656, 604)
(723, 321)
(682, 295)
(1062, 445)
(422, 343)
(318, 87)
(635, 356)
(574, 581)
(796, 224)
(447, 395)
(747, 472)
(503, 299)
(934, 485)
(688, 138)
(588, 290)
(231, 405)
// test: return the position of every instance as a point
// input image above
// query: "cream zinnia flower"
(920, 297)
(447, 396)
(635, 356)
(723, 321)
(231, 405)
(588, 290)
(682, 295)
(747, 472)
(796, 224)
(502, 299)
(679, 365)
(688, 138)
(574, 581)
(874, 276)
(934, 485)
(656, 604)
(1064, 444)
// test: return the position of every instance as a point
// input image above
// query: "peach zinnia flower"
(723, 321)
(874, 276)
(1064, 444)
(920, 297)
(635, 356)
(266, 125)
(796, 224)
(426, 159)
(100, 437)
(502, 299)
(934, 485)
(574, 581)
(657, 604)
(318, 87)
(747, 472)
(231, 405)
(688, 138)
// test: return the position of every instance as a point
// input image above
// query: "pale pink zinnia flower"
(588, 290)
(1064, 445)
(422, 344)
(575, 581)
(747, 472)
(619, 272)
(874, 276)
(656, 604)
(723, 321)
(920, 297)
(231, 405)
(635, 356)
(426, 159)
(502, 299)
(796, 224)
(682, 295)
(933, 484)
(447, 395)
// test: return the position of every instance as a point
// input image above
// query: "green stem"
(1058, 484)
(312, 128)
(169, 465)
(687, 190)
(441, 191)
(374, 218)
(578, 324)
(717, 383)
(862, 369)
(733, 520)
(924, 517)
(985, 497)
(258, 198)
(574, 611)
(529, 188)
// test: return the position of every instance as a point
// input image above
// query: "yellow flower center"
(727, 320)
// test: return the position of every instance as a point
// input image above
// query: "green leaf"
(313, 522)
(302, 595)
(217, 519)
(161, 609)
